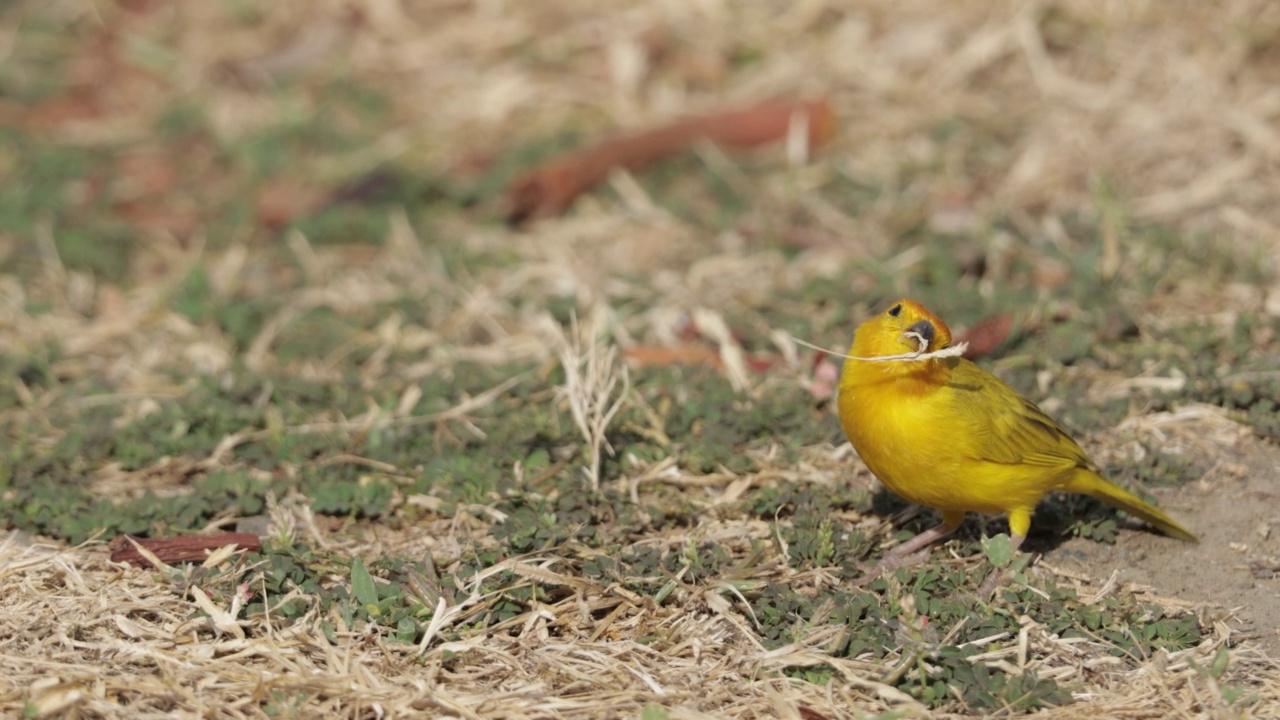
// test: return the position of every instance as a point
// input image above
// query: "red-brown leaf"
(550, 188)
(987, 335)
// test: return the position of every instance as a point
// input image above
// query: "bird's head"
(905, 327)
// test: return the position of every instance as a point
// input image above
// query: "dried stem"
(591, 376)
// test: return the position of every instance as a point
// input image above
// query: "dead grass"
(590, 380)
(87, 636)
(964, 114)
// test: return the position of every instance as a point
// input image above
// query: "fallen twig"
(551, 187)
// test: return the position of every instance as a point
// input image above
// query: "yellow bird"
(944, 433)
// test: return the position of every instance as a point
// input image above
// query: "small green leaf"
(999, 550)
(406, 630)
(653, 712)
(666, 590)
(1220, 662)
(362, 584)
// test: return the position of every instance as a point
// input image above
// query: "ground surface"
(257, 273)
(1234, 517)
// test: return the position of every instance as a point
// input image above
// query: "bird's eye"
(896, 310)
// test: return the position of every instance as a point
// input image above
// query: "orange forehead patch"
(915, 311)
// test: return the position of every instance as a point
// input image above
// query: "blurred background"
(1023, 137)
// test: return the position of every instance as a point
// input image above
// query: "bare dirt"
(1232, 571)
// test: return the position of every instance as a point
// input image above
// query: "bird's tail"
(1087, 482)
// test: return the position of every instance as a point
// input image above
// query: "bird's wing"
(1007, 428)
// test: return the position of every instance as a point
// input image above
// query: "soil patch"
(1233, 509)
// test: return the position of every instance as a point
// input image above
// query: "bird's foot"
(892, 562)
(911, 552)
(988, 586)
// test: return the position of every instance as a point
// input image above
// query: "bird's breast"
(896, 433)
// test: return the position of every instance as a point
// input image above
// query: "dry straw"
(89, 637)
(922, 354)
(591, 377)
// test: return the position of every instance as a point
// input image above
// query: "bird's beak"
(922, 331)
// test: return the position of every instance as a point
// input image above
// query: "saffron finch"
(944, 433)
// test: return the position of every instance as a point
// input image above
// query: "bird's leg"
(901, 555)
(909, 552)
(989, 585)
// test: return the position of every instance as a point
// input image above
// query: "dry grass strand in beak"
(946, 352)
